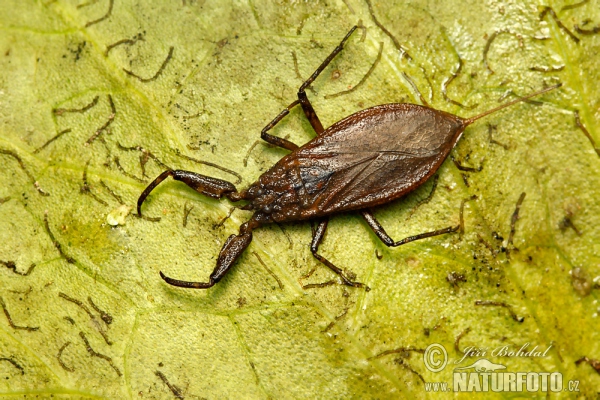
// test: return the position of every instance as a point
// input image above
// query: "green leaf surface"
(98, 97)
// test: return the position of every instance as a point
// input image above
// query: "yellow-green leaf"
(98, 97)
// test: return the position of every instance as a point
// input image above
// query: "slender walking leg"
(274, 140)
(318, 235)
(388, 241)
(308, 109)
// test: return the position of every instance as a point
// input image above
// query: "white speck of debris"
(118, 215)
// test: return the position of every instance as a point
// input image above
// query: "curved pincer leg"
(205, 185)
(232, 249)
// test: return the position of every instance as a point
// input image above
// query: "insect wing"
(375, 156)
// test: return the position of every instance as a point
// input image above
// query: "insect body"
(368, 158)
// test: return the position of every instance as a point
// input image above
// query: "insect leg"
(274, 140)
(206, 185)
(309, 111)
(388, 241)
(318, 235)
(232, 249)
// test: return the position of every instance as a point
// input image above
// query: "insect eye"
(267, 209)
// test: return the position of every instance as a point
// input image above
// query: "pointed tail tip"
(468, 121)
(549, 88)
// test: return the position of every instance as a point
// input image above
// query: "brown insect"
(368, 158)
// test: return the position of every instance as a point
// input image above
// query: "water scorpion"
(364, 160)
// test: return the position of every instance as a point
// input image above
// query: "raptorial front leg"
(213, 187)
(318, 235)
(232, 249)
(388, 241)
